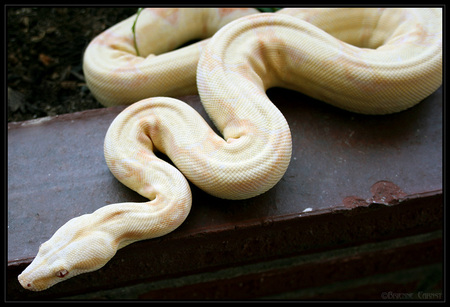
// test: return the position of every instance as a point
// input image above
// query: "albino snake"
(372, 61)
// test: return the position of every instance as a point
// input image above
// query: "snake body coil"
(372, 61)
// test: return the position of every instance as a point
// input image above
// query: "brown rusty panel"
(56, 171)
(314, 273)
(178, 254)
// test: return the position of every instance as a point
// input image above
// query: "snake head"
(74, 249)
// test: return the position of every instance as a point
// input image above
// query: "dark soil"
(45, 48)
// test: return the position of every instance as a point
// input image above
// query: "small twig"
(133, 28)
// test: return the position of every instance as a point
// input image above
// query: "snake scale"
(365, 60)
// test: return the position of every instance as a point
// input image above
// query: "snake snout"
(26, 283)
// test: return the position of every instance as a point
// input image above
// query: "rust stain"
(383, 192)
(386, 192)
(353, 202)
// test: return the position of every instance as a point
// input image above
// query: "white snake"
(372, 61)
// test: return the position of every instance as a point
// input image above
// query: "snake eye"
(62, 273)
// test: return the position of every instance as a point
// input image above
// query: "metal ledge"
(353, 179)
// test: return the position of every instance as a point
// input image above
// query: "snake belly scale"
(371, 61)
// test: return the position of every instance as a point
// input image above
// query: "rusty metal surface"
(306, 272)
(56, 171)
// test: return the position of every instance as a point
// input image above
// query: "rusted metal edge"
(349, 203)
(346, 206)
(258, 222)
(287, 236)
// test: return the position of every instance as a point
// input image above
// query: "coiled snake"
(372, 61)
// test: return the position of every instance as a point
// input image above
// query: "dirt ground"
(44, 54)
(45, 48)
